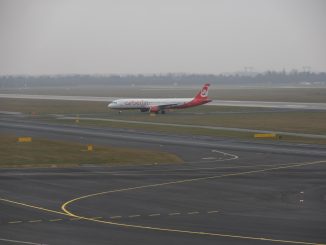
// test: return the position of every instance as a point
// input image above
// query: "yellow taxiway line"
(294, 165)
(66, 212)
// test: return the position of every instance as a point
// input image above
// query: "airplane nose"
(110, 105)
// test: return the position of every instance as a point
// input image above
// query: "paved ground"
(227, 192)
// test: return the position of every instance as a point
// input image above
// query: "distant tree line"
(268, 77)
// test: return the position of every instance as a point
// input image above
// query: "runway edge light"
(267, 136)
(90, 148)
(24, 139)
(77, 119)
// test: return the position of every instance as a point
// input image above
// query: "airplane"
(161, 105)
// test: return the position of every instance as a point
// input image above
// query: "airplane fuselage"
(157, 105)
(146, 103)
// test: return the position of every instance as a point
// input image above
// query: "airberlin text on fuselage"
(137, 102)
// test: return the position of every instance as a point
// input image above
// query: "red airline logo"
(204, 92)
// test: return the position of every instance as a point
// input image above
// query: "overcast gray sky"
(160, 36)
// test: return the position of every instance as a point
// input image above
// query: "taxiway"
(228, 192)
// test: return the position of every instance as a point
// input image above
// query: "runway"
(228, 191)
(264, 104)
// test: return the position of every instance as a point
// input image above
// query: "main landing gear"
(162, 112)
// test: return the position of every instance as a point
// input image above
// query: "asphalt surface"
(265, 104)
(226, 192)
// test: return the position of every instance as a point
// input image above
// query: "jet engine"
(144, 109)
(154, 109)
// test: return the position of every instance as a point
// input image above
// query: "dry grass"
(30, 106)
(48, 153)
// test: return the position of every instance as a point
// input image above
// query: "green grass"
(49, 153)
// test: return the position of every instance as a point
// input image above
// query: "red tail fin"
(203, 93)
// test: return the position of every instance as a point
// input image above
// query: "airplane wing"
(156, 108)
(169, 106)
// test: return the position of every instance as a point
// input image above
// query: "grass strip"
(50, 153)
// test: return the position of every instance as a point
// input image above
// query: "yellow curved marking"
(34, 207)
(65, 205)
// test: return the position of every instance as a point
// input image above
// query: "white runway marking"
(134, 216)
(152, 215)
(56, 220)
(115, 217)
(20, 242)
(35, 221)
(15, 222)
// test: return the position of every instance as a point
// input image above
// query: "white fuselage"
(146, 103)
